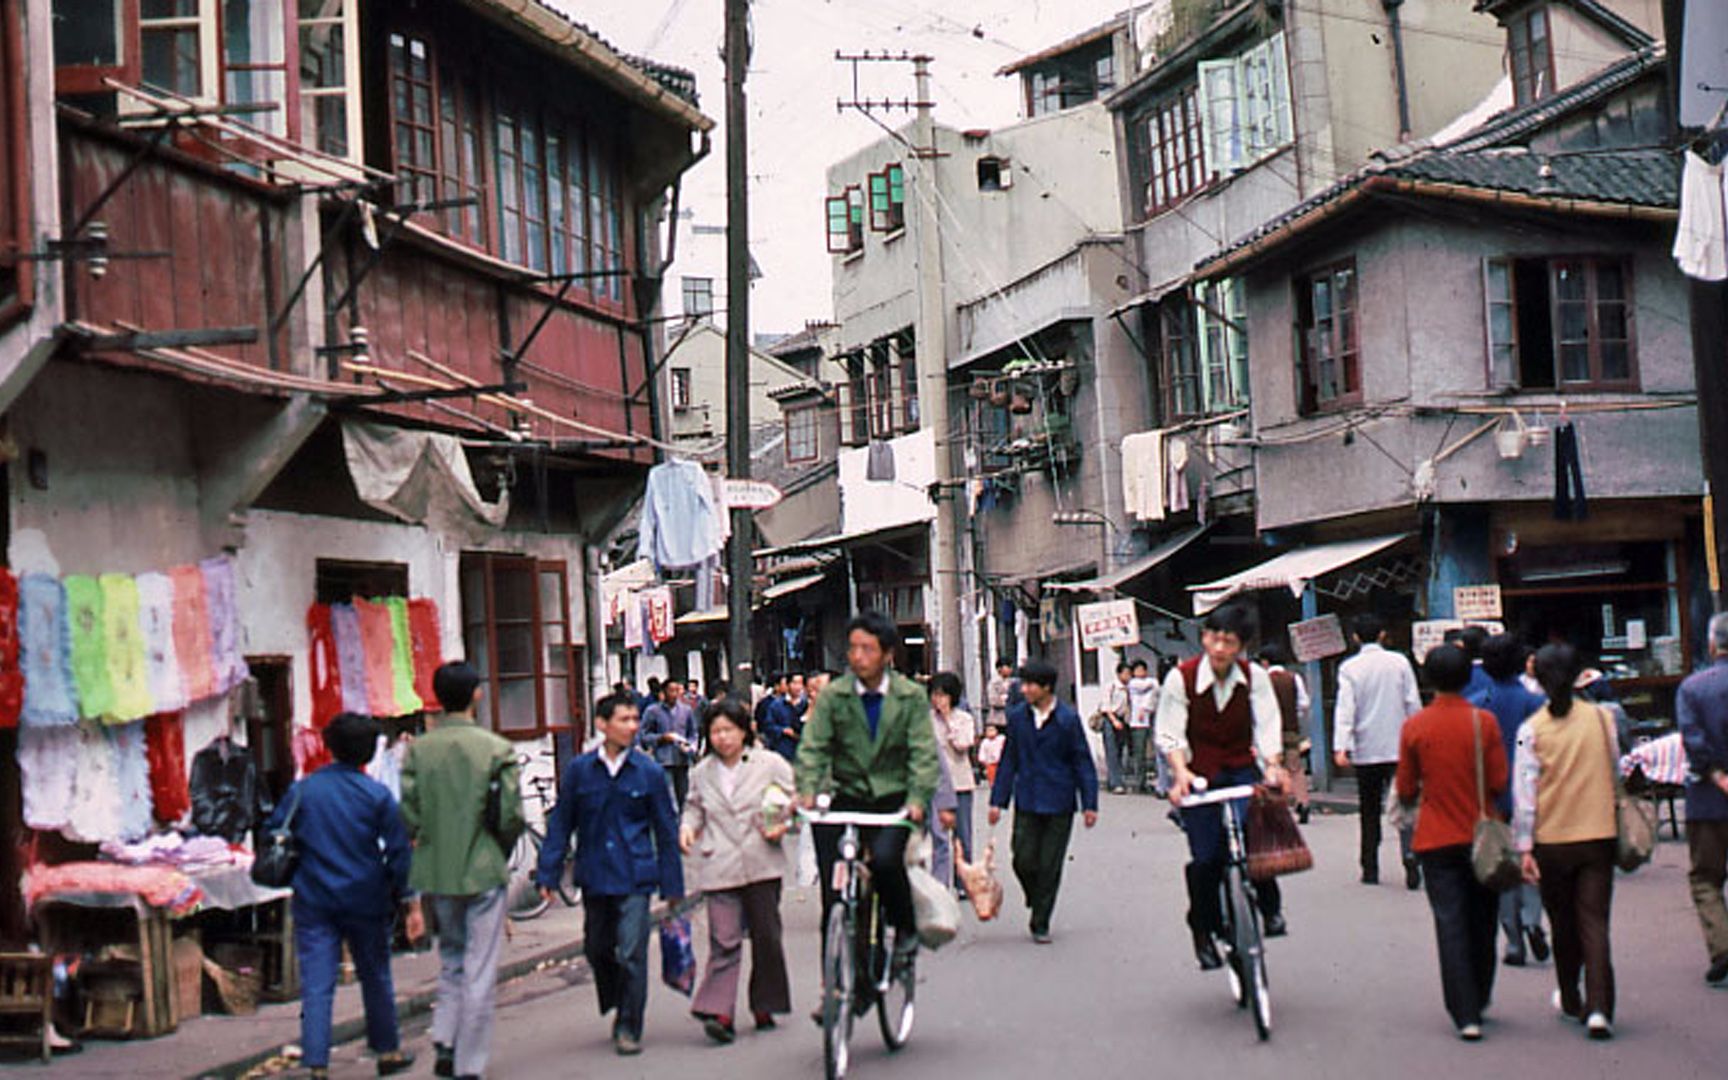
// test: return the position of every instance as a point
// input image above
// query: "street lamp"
(1090, 517)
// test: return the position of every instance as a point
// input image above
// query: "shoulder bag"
(1492, 854)
(278, 854)
(1634, 817)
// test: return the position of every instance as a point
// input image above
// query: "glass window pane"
(1574, 322)
(86, 32)
(1575, 363)
(1500, 323)
(168, 9)
(321, 9)
(324, 122)
(552, 599)
(170, 60)
(321, 62)
(513, 594)
(1499, 281)
(1610, 282)
(558, 700)
(1616, 361)
(1569, 281)
(515, 650)
(518, 705)
(1611, 321)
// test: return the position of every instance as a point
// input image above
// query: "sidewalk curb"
(420, 1002)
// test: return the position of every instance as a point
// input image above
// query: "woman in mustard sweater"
(1564, 823)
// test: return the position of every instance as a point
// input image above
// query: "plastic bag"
(678, 955)
(982, 888)
(934, 907)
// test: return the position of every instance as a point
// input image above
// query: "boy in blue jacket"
(618, 803)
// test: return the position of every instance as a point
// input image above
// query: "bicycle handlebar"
(1208, 798)
(853, 817)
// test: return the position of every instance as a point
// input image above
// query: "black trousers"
(1465, 917)
(680, 777)
(1040, 844)
(1569, 502)
(1372, 784)
(885, 848)
(1578, 891)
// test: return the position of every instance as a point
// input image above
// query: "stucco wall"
(703, 352)
(876, 504)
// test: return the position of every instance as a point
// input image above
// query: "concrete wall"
(1581, 46)
(877, 504)
(703, 352)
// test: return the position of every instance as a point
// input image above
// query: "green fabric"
(89, 647)
(836, 754)
(443, 803)
(402, 657)
(123, 641)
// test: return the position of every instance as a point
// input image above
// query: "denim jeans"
(318, 938)
(1113, 746)
(1209, 850)
(616, 948)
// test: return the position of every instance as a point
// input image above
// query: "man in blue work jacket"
(619, 805)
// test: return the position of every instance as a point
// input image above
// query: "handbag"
(678, 955)
(1635, 820)
(278, 855)
(1096, 721)
(1492, 853)
(1275, 844)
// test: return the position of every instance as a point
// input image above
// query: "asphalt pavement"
(1356, 990)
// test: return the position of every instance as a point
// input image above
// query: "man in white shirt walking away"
(1376, 694)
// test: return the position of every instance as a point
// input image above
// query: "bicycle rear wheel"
(837, 992)
(522, 895)
(894, 1009)
(1250, 952)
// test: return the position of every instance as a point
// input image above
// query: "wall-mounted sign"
(1316, 639)
(1473, 603)
(1110, 624)
(751, 495)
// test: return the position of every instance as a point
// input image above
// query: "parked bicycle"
(855, 919)
(525, 859)
(1242, 940)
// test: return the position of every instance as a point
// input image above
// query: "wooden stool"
(27, 990)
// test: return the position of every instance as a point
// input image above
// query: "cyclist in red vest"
(1218, 719)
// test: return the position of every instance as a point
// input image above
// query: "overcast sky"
(794, 80)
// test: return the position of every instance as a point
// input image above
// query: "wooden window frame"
(16, 281)
(418, 167)
(693, 288)
(1175, 152)
(1176, 313)
(1307, 330)
(488, 565)
(1534, 83)
(887, 199)
(803, 430)
(1593, 340)
(460, 152)
(203, 22)
(680, 389)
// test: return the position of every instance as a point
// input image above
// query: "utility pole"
(740, 564)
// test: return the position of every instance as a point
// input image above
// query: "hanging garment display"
(377, 637)
(1143, 475)
(386, 766)
(427, 645)
(402, 658)
(879, 461)
(1701, 236)
(165, 749)
(1176, 466)
(45, 637)
(227, 654)
(224, 790)
(680, 524)
(95, 812)
(192, 632)
(350, 659)
(123, 647)
(47, 764)
(658, 607)
(1569, 503)
(89, 656)
(310, 753)
(156, 628)
(632, 621)
(132, 774)
(325, 673)
(11, 673)
(646, 608)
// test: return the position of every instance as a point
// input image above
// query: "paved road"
(1356, 990)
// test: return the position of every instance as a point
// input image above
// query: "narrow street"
(1355, 990)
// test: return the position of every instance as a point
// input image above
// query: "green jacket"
(444, 785)
(836, 754)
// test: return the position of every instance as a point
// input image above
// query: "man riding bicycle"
(1217, 714)
(869, 744)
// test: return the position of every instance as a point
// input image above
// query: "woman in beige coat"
(733, 823)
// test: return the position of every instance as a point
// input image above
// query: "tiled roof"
(1080, 40)
(1633, 177)
(675, 79)
(1516, 123)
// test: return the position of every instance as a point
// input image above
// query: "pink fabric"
(192, 642)
(157, 886)
(378, 636)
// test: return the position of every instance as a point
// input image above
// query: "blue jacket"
(779, 717)
(1048, 770)
(663, 719)
(1702, 705)
(354, 853)
(626, 829)
(1512, 703)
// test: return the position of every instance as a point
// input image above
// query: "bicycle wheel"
(1251, 952)
(522, 895)
(894, 1001)
(837, 992)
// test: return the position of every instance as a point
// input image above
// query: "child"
(990, 751)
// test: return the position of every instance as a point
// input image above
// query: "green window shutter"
(1220, 116)
(879, 203)
(838, 229)
(1283, 110)
(1237, 336)
(897, 185)
(1499, 301)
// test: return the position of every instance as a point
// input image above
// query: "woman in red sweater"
(1437, 762)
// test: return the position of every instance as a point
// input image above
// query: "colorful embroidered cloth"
(310, 753)
(227, 653)
(402, 658)
(11, 674)
(50, 699)
(192, 633)
(128, 674)
(427, 646)
(95, 814)
(157, 886)
(378, 637)
(156, 626)
(132, 773)
(350, 659)
(165, 751)
(47, 762)
(326, 671)
(89, 646)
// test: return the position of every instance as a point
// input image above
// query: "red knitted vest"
(1218, 740)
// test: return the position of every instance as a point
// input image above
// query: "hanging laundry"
(45, 638)
(706, 571)
(325, 672)
(47, 766)
(156, 628)
(680, 519)
(722, 512)
(132, 773)
(224, 790)
(227, 654)
(645, 607)
(659, 615)
(386, 767)
(379, 641)
(402, 658)
(89, 647)
(350, 659)
(1569, 502)
(879, 464)
(310, 753)
(1701, 238)
(632, 621)
(95, 813)
(11, 673)
(165, 750)
(192, 640)
(426, 643)
(1143, 475)
(1176, 466)
(128, 673)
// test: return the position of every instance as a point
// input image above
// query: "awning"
(787, 588)
(1122, 575)
(839, 540)
(1152, 295)
(694, 618)
(1292, 570)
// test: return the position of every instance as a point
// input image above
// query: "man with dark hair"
(1118, 705)
(1218, 720)
(1437, 763)
(1702, 707)
(1001, 691)
(1511, 703)
(670, 732)
(1376, 693)
(1047, 772)
(775, 687)
(783, 716)
(870, 745)
(1471, 639)
(617, 802)
(447, 787)
(1294, 707)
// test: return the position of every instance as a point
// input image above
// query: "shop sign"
(1052, 620)
(1316, 639)
(1473, 603)
(1110, 624)
(1430, 633)
(751, 495)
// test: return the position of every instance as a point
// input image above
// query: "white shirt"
(1376, 694)
(728, 776)
(880, 688)
(1042, 716)
(1172, 720)
(614, 764)
(1143, 701)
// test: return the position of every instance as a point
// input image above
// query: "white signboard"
(751, 495)
(1112, 623)
(1432, 632)
(1473, 603)
(1316, 639)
